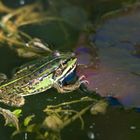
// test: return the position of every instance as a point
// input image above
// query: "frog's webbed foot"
(9, 117)
(71, 87)
(3, 77)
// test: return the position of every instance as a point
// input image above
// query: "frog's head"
(66, 67)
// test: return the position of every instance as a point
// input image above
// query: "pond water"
(117, 75)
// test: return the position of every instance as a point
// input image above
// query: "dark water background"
(117, 124)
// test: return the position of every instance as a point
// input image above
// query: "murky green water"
(117, 124)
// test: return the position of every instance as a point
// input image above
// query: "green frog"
(38, 76)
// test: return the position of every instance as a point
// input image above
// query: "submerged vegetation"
(59, 116)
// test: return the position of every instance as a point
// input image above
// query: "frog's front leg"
(70, 87)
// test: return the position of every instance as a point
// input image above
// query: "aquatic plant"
(59, 116)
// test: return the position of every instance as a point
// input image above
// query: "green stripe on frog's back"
(31, 66)
(37, 70)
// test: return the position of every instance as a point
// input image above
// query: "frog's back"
(30, 67)
(28, 79)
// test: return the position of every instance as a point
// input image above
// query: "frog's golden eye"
(58, 72)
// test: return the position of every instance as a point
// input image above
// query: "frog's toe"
(82, 80)
(82, 77)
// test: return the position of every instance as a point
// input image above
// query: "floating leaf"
(117, 74)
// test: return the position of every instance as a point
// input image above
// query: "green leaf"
(31, 128)
(28, 119)
(17, 112)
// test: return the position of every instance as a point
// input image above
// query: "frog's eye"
(58, 72)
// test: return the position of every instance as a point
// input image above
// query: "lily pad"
(118, 73)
